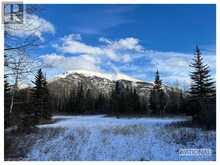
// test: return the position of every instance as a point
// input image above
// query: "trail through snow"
(107, 138)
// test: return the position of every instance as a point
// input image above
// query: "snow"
(102, 121)
(110, 76)
(107, 138)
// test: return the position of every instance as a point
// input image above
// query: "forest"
(28, 107)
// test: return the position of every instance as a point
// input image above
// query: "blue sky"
(129, 39)
(163, 27)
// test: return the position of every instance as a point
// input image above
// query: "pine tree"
(202, 84)
(89, 102)
(80, 99)
(129, 103)
(117, 88)
(122, 103)
(115, 98)
(157, 82)
(157, 96)
(136, 100)
(100, 103)
(41, 98)
(202, 92)
(71, 103)
(46, 100)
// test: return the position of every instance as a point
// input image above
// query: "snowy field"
(108, 138)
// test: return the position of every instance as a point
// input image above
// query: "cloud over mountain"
(125, 55)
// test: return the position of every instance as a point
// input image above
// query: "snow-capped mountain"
(110, 76)
(97, 82)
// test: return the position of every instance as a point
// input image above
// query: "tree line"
(121, 100)
(34, 106)
(31, 106)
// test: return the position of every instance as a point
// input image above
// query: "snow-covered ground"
(100, 121)
(108, 138)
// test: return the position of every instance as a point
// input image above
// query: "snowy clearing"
(108, 138)
(105, 122)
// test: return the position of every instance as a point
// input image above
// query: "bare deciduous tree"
(18, 64)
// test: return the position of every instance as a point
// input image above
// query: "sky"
(135, 40)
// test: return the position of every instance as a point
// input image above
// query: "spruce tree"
(71, 103)
(115, 98)
(157, 82)
(129, 101)
(46, 100)
(80, 99)
(100, 103)
(202, 92)
(89, 102)
(202, 83)
(136, 102)
(41, 98)
(119, 98)
(157, 96)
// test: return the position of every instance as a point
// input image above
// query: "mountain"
(86, 73)
(62, 85)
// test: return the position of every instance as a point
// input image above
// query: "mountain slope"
(98, 83)
(110, 76)
(95, 81)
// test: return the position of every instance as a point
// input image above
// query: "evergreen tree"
(157, 82)
(174, 100)
(79, 105)
(100, 104)
(202, 92)
(121, 101)
(118, 88)
(41, 98)
(125, 100)
(46, 100)
(157, 96)
(136, 100)
(129, 102)
(89, 102)
(71, 103)
(114, 98)
(202, 84)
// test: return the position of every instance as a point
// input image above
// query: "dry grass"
(125, 130)
(17, 145)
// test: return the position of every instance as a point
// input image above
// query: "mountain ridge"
(64, 84)
(110, 76)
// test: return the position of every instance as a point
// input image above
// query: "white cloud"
(70, 63)
(105, 40)
(72, 37)
(33, 25)
(112, 49)
(174, 66)
(52, 60)
(71, 44)
(128, 56)
(129, 43)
